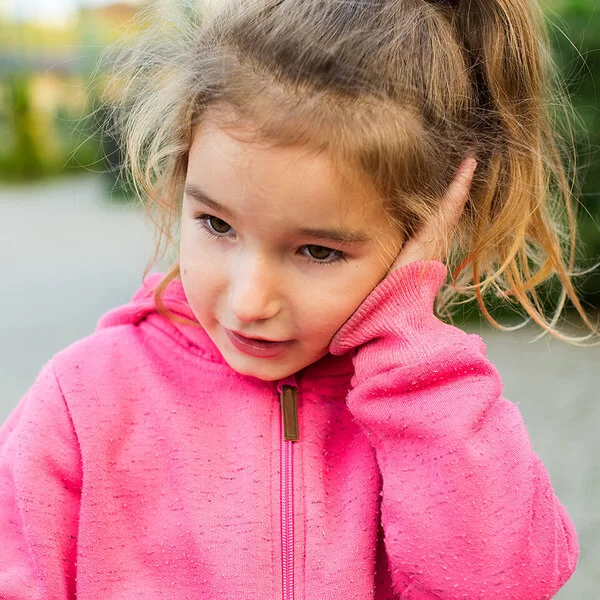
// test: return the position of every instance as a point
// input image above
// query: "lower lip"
(257, 348)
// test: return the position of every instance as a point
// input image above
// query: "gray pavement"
(67, 255)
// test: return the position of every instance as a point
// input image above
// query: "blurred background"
(73, 244)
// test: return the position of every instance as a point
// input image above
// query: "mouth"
(257, 338)
(258, 347)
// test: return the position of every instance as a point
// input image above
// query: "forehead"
(292, 182)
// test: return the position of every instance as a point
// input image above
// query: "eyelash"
(336, 255)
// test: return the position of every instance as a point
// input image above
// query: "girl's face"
(277, 251)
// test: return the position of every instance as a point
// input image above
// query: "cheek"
(192, 248)
(201, 276)
(348, 305)
(204, 298)
(199, 257)
(327, 311)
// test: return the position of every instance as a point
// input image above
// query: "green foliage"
(576, 37)
(24, 161)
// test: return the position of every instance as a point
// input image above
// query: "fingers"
(453, 206)
(457, 195)
(433, 240)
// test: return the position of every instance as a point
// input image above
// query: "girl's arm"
(468, 510)
(40, 483)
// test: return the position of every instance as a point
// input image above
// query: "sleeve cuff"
(399, 305)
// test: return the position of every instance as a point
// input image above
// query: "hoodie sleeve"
(468, 510)
(40, 483)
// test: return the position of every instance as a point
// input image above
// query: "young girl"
(282, 415)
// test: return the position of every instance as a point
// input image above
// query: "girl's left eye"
(322, 254)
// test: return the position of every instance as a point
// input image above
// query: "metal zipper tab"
(289, 413)
(290, 433)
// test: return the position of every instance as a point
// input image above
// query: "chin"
(265, 371)
(265, 374)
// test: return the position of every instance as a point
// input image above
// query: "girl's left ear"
(432, 241)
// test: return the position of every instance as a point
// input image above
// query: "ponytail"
(523, 217)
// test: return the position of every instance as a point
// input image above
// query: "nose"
(253, 290)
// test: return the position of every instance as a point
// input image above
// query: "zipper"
(288, 398)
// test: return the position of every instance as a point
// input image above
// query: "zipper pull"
(289, 413)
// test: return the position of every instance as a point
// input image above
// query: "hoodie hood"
(142, 307)
(142, 304)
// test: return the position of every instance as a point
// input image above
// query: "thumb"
(457, 195)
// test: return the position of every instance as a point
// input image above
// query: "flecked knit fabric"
(141, 466)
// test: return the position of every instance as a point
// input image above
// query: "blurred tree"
(25, 161)
(576, 37)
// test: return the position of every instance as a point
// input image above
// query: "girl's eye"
(215, 225)
(322, 254)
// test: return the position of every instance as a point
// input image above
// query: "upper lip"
(254, 337)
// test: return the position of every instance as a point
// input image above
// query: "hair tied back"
(449, 3)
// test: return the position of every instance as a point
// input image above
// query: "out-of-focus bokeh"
(48, 56)
(72, 246)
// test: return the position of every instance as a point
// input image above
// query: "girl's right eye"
(214, 225)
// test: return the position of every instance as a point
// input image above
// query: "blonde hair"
(398, 91)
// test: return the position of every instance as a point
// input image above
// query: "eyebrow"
(343, 236)
(194, 192)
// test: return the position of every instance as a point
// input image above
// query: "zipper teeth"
(287, 518)
(290, 434)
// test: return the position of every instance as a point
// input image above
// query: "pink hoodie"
(141, 466)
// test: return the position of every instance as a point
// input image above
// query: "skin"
(254, 264)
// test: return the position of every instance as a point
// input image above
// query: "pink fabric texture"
(141, 466)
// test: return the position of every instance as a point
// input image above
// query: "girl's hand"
(432, 241)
